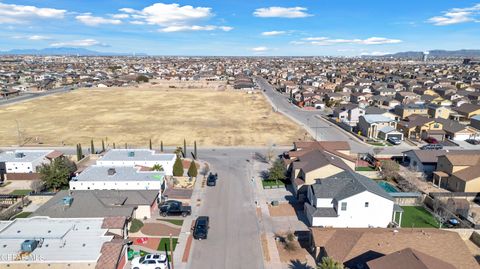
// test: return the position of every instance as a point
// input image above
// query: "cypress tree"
(161, 146)
(195, 149)
(178, 168)
(79, 157)
(113, 145)
(150, 144)
(192, 170)
(80, 151)
(184, 153)
(125, 145)
(92, 148)
(103, 146)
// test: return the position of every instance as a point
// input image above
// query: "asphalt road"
(32, 95)
(233, 239)
(319, 128)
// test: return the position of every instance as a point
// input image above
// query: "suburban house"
(23, 164)
(438, 111)
(457, 131)
(138, 204)
(466, 111)
(309, 161)
(348, 199)
(404, 111)
(458, 171)
(378, 126)
(100, 177)
(475, 122)
(423, 160)
(420, 127)
(361, 247)
(43, 242)
(409, 258)
(348, 113)
(138, 157)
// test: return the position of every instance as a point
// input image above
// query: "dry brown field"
(135, 115)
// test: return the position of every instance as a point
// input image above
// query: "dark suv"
(200, 229)
(212, 179)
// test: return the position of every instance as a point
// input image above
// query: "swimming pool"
(387, 186)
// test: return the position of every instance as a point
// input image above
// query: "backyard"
(136, 115)
(417, 217)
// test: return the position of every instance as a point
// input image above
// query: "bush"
(136, 225)
(141, 78)
(178, 168)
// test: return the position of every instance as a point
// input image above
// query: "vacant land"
(135, 115)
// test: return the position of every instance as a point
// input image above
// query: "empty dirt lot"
(135, 115)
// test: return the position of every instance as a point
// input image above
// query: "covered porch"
(397, 211)
(440, 179)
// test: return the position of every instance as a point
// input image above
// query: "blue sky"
(307, 27)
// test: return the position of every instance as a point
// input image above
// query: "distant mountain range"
(64, 52)
(466, 53)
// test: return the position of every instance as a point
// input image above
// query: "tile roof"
(354, 246)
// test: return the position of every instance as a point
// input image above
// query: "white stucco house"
(25, 161)
(98, 177)
(138, 157)
(349, 200)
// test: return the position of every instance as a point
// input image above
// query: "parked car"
(173, 207)
(394, 140)
(432, 147)
(473, 141)
(431, 140)
(150, 261)
(200, 229)
(212, 179)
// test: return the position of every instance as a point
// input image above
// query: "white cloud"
(184, 28)
(120, 16)
(375, 53)
(90, 20)
(174, 17)
(38, 37)
(260, 49)
(281, 12)
(11, 13)
(79, 43)
(273, 33)
(457, 15)
(325, 41)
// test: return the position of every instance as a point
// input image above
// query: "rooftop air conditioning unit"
(111, 171)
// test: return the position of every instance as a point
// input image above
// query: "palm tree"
(329, 263)
(157, 167)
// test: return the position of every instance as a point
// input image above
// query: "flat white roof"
(64, 240)
(136, 155)
(120, 173)
(23, 155)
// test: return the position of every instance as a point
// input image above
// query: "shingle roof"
(409, 258)
(356, 246)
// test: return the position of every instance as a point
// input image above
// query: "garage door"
(462, 136)
(399, 136)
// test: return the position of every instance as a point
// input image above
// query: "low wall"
(12, 210)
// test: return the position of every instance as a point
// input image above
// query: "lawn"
(178, 222)
(417, 217)
(165, 242)
(365, 169)
(21, 192)
(209, 116)
(136, 225)
(22, 215)
(272, 184)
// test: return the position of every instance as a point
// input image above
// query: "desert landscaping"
(212, 116)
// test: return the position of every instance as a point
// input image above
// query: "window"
(344, 206)
(366, 204)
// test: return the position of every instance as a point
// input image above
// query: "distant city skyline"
(241, 28)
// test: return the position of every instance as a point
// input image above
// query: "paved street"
(28, 96)
(233, 239)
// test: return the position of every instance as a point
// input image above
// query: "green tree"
(150, 144)
(161, 146)
(178, 151)
(277, 171)
(157, 167)
(55, 175)
(195, 149)
(92, 147)
(178, 167)
(103, 146)
(141, 78)
(184, 152)
(79, 152)
(389, 169)
(192, 170)
(329, 263)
